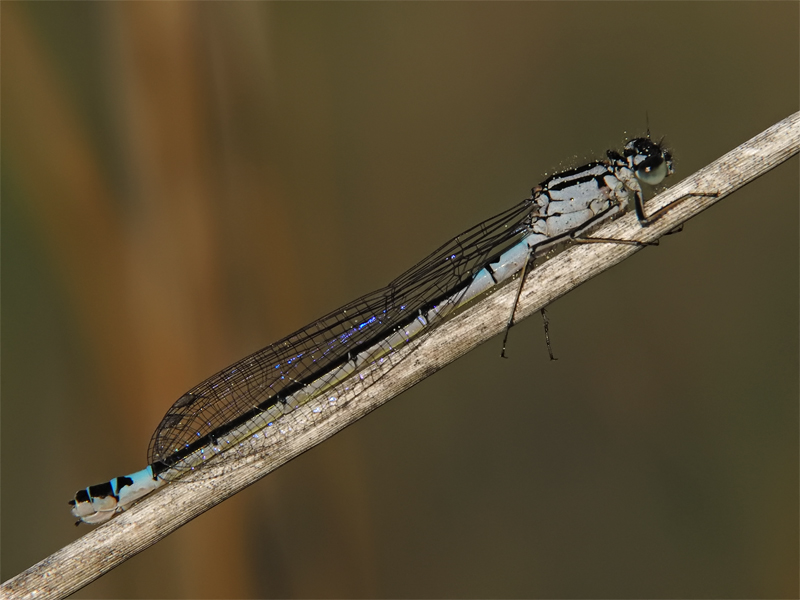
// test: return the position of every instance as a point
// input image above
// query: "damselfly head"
(649, 160)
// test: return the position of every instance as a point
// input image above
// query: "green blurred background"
(183, 183)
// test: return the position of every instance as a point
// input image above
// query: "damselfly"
(259, 396)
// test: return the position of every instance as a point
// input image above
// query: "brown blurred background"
(183, 183)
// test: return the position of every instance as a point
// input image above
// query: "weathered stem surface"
(155, 517)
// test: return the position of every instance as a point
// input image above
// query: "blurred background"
(184, 183)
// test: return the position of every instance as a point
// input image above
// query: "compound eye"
(652, 172)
